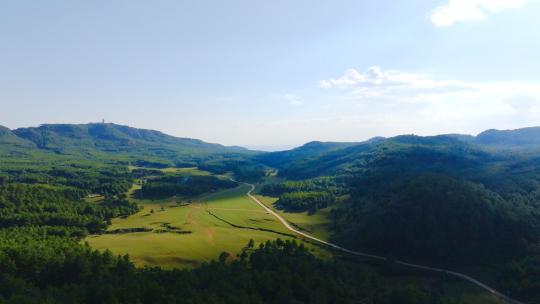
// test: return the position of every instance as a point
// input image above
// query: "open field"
(187, 235)
(315, 224)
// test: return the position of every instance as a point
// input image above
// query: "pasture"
(181, 234)
(316, 224)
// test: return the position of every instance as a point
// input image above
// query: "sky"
(272, 74)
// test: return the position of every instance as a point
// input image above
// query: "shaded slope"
(525, 137)
(408, 150)
(438, 218)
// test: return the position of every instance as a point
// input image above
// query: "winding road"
(362, 254)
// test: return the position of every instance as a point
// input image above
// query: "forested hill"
(525, 137)
(99, 140)
(435, 150)
(319, 158)
(310, 150)
(451, 200)
(7, 137)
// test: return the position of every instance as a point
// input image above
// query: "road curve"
(362, 254)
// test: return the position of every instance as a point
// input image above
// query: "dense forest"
(307, 195)
(243, 168)
(183, 185)
(51, 269)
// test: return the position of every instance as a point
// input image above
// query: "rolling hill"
(97, 140)
(526, 137)
(353, 157)
(7, 137)
(446, 200)
(310, 150)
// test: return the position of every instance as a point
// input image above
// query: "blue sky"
(273, 73)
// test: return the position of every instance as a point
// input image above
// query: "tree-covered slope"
(8, 137)
(311, 150)
(12, 144)
(437, 218)
(525, 137)
(438, 198)
(106, 142)
(408, 150)
(114, 138)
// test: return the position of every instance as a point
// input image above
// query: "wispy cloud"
(433, 99)
(393, 84)
(376, 78)
(470, 10)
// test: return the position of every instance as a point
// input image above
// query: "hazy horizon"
(272, 148)
(273, 74)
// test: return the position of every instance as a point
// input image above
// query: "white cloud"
(376, 78)
(416, 98)
(470, 10)
(418, 87)
(393, 84)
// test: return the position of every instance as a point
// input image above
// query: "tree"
(223, 257)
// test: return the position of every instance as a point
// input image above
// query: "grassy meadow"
(316, 224)
(184, 232)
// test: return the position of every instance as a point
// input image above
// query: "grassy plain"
(315, 224)
(182, 234)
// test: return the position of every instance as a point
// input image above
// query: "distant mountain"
(504, 139)
(319, 158)
(314, 159)
(282, 159)
(11, 144)
(97, 139)
(463, 137)
(525, 137)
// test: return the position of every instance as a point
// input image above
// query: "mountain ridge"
(99, 139)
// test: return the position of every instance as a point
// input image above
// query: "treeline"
(302, 201)
(188, 185)
(328, 184)
(58, 208)
(48, 269)
(108, 181)
(243, 168)
(307, 195)
(138, 173)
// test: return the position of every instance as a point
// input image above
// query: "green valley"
(185, 234)
(105, 203)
